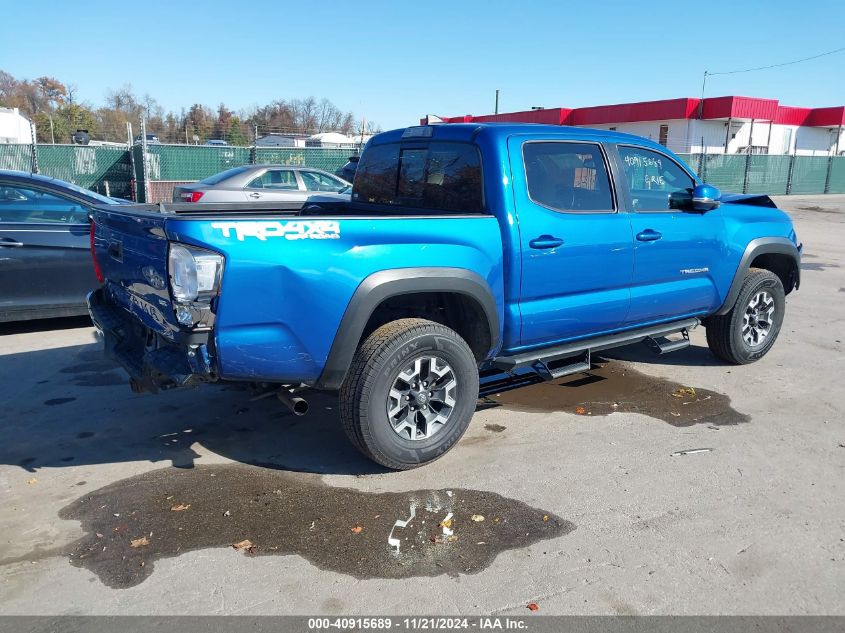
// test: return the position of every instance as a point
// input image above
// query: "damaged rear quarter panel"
(286, 286)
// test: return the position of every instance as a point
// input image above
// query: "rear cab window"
(434, 175)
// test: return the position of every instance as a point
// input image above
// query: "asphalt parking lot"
(571, 495)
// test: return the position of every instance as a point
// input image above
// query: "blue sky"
(396, 61)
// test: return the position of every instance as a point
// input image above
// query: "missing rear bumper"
(152, 362)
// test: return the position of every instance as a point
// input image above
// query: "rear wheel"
(409, 394)
(748, 331)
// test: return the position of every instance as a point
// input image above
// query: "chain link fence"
(171, 165)
(770, 174)
(132, 174)
(103, 169)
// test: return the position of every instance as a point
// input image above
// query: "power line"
(797, 61)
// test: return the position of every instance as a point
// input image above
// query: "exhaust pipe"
(298, 406)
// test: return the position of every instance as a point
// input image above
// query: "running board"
(542, 367)
(662, 345)
(541, 359)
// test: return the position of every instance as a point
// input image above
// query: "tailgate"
(131, 250)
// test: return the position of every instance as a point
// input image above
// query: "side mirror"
(705, 198)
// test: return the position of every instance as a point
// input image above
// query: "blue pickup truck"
(464, 249)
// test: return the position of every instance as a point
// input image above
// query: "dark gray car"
(45, 260)
(264, 183)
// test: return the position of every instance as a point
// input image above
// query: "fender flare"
(391, 283)
(755, 248)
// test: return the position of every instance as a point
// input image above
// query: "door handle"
(255, 195)
(649, 235)
(545, 241)
(9, 242)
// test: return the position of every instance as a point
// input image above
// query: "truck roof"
(500, 131)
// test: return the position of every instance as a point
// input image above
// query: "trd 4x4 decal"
(292, 230)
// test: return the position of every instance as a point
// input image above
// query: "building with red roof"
(730, 125)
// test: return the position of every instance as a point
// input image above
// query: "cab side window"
(35, 206)
(655, 181)
(567, 176)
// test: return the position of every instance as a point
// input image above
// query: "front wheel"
(409, 394)
(748, 331)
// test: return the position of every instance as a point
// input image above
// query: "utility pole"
(701, 101)
(52, 134)
(496, 110)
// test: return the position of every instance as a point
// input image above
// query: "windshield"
(223, 175)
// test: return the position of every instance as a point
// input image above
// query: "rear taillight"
(194, 273)
(97, 270)
(190, 196)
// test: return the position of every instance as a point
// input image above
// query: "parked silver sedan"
(264, 183)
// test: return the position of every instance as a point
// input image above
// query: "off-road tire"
(724, 332)
(363, 394)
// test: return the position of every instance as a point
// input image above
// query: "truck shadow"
(70, 406)
(692, 356)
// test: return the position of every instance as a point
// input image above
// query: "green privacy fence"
(103, 169)
(770, 174)
(192, 162)
(120, 172)
(809, 175)
(836, 181)
(325, 158)
(187, 162)
(168, 165)
(130, 173)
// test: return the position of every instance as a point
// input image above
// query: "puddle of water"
(614, 386)
(282, 513)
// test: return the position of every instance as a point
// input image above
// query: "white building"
(275, 139)
(14, 127)
(331, 139)
(730, 125)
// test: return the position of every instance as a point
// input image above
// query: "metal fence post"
(134, 173)
(33, 164)
(253, 151)
(747, 168)
(789, 174)
(827, 175)
(144, 160)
